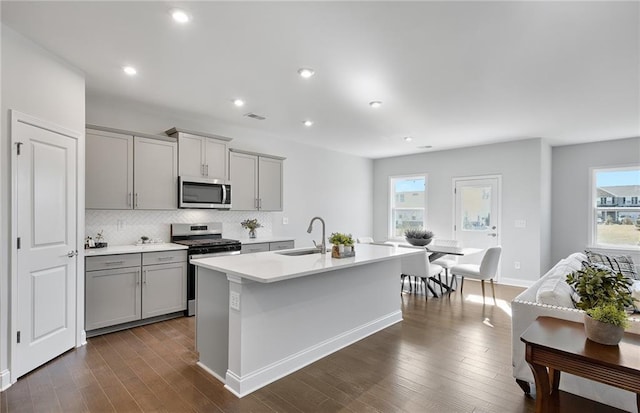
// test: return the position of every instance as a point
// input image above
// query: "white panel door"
(477, 214)
(270, 184)
(45, 179)
(243, 173)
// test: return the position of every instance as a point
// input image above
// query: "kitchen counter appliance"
(204, 241)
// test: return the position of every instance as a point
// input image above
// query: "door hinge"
(18, 243)
(18, 338)
(18, 144)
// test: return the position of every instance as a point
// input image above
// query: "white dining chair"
(448, 261)
(487, 270)
(419, 267)
(364, 240)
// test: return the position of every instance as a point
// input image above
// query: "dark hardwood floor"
(450, 354)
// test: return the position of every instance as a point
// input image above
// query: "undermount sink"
(295, 253)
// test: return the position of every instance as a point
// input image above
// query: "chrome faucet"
(322, 246)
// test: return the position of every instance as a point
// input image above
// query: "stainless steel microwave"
(204, 193)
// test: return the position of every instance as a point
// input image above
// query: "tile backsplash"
(123, 227)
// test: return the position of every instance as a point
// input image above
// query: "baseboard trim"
(209, 371)
(515, 282)
(5, 380)
(244, 385)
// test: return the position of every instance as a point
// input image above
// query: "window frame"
(391, 202)
(593, 208)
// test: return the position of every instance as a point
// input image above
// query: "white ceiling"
(450, 74)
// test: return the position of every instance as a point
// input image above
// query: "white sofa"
(550, 297)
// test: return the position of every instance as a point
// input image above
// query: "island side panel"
(283, 326)
(212, 321)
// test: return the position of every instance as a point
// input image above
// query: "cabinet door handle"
(113, 262)
(144, 276)
(129, 199)
(255, 203)
(202, 169)
(206, 170)
(164, 258)
(259, 203)
(136, 202)
(137, 277)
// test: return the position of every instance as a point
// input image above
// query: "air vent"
(254, 116)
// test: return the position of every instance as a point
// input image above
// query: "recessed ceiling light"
(180, 16)
(306, 72)
(307, 123)
(408, 138)
(238, 102)
(130, 70)
(375, 104)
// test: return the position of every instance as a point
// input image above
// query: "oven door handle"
(213, 255)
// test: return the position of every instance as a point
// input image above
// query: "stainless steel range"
(204, 240)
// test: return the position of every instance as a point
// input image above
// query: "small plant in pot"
(604, 297)
(418, 236)
(342, 243)
(251, 225)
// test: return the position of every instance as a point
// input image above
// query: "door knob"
(493, 234)
(72, 254)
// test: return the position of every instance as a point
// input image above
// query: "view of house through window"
(408, 202)
(617, 207)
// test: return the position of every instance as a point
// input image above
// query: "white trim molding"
(5, 380)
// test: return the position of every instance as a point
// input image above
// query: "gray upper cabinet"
(201, 154)
(115, 157)
(257, 181)
(155, 174)
(109, 170)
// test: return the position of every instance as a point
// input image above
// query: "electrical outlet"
(516, 265)
(285, 220)
(520, 223)
(120, 224)
(234, 300)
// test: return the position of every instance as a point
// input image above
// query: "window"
(616, 212)
(407, 204)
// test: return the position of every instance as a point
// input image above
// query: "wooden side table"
(561, 345)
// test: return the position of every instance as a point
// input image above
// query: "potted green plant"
(604, 296)
(251, 225)
(418, 236)
(342, 243)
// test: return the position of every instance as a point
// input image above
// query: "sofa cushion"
(617, 263)
(555, 291)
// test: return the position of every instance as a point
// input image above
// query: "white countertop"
(132, 249)
(267, 267)
(260, 240)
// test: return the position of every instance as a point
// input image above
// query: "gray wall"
(333, 185)
(40, 84)
(571, 188)
(525, 196)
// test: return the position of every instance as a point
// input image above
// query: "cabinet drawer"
(164, 257)
(281, 245)
(249, 248)
(106, 262)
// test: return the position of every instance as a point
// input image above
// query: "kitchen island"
(265, 315)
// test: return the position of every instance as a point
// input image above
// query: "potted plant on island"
(342, 244)
(604, 297)
(251, 225)
(418, 236)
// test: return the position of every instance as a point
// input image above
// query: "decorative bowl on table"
(419, 242)
(418, 236)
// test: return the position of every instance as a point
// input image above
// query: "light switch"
(285, 220)
(521, 223)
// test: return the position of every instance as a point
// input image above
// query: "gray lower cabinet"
(112, 297)
(128, 287)
(267, 246)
